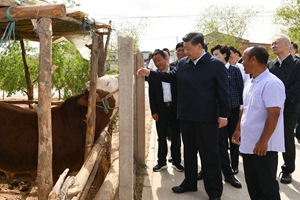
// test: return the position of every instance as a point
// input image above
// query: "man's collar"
(196, 60)
(287, 59)
(261, 76)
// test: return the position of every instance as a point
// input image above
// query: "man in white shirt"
(261, 126)
(151, 64)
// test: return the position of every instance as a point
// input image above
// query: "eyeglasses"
(180, 50)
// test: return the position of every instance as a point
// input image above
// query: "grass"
(141, 172)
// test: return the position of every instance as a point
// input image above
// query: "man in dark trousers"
(236, 86)
(294, 52)
(259, 131)
(287, 69)
(163, 105)
(203, 107)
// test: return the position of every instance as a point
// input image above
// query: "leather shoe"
(179, 189)
(286, 177)
(200, 175)
(235, 171)
(216, 198)
(233, 181)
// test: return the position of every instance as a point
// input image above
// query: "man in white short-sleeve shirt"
(261, 126)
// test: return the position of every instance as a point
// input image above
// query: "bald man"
(287, 69)
(259, 131)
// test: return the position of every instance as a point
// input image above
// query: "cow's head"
(106, 85)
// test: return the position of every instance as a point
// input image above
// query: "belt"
(168, 103)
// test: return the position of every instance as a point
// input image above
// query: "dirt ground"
(32, 193)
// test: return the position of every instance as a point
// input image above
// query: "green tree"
(73, 71)
(133, 28)
(288, 16)
(12, 73)
(227, 24)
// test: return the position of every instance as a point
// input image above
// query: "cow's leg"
(9, 176)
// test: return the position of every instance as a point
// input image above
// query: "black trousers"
(234, 149)
(223, 150)
(298, 127)
(260, 175)
(162, 126)
(290, 120)
(203, 136)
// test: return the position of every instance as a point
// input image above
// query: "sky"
(170, 20)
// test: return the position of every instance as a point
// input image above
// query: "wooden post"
(102, 57)
(139, 112)
(91, 113)
(127, 87)
(44, 169)
(33, 12)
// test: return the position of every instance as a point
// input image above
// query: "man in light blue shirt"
(261, 126)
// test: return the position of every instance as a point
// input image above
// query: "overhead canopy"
(71, 24)
(74, 27)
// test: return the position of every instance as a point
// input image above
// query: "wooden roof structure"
(70, 24)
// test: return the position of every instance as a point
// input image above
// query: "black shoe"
(233, 181)
(179, 189)
(200, 175)
(235, 171)
(159, 167)
(286, 178)
(216, 198)
(170, 159)
(178, 167)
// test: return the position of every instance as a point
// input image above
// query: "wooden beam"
(91, 113)
(33, 12)
(45, 149)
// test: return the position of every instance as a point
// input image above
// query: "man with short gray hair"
(287, 69)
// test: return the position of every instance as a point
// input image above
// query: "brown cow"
(19, 132)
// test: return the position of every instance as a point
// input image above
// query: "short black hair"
(195, 38)
(233, 49)
(167, 50)
(295, 45)
(240, 54)
(178, 45)
(223, 49)
(158, 51)
(260, 52)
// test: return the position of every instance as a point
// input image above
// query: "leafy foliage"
(129, 29)
(12, 74)
(73, 71)
(68, 3)
(231, 21)
(288, 15)
(69, 78)
(134, 29)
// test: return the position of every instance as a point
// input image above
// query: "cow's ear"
(83, 101)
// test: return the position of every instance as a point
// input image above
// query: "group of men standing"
(213, 104)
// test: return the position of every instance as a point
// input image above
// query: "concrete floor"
(157, 185)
